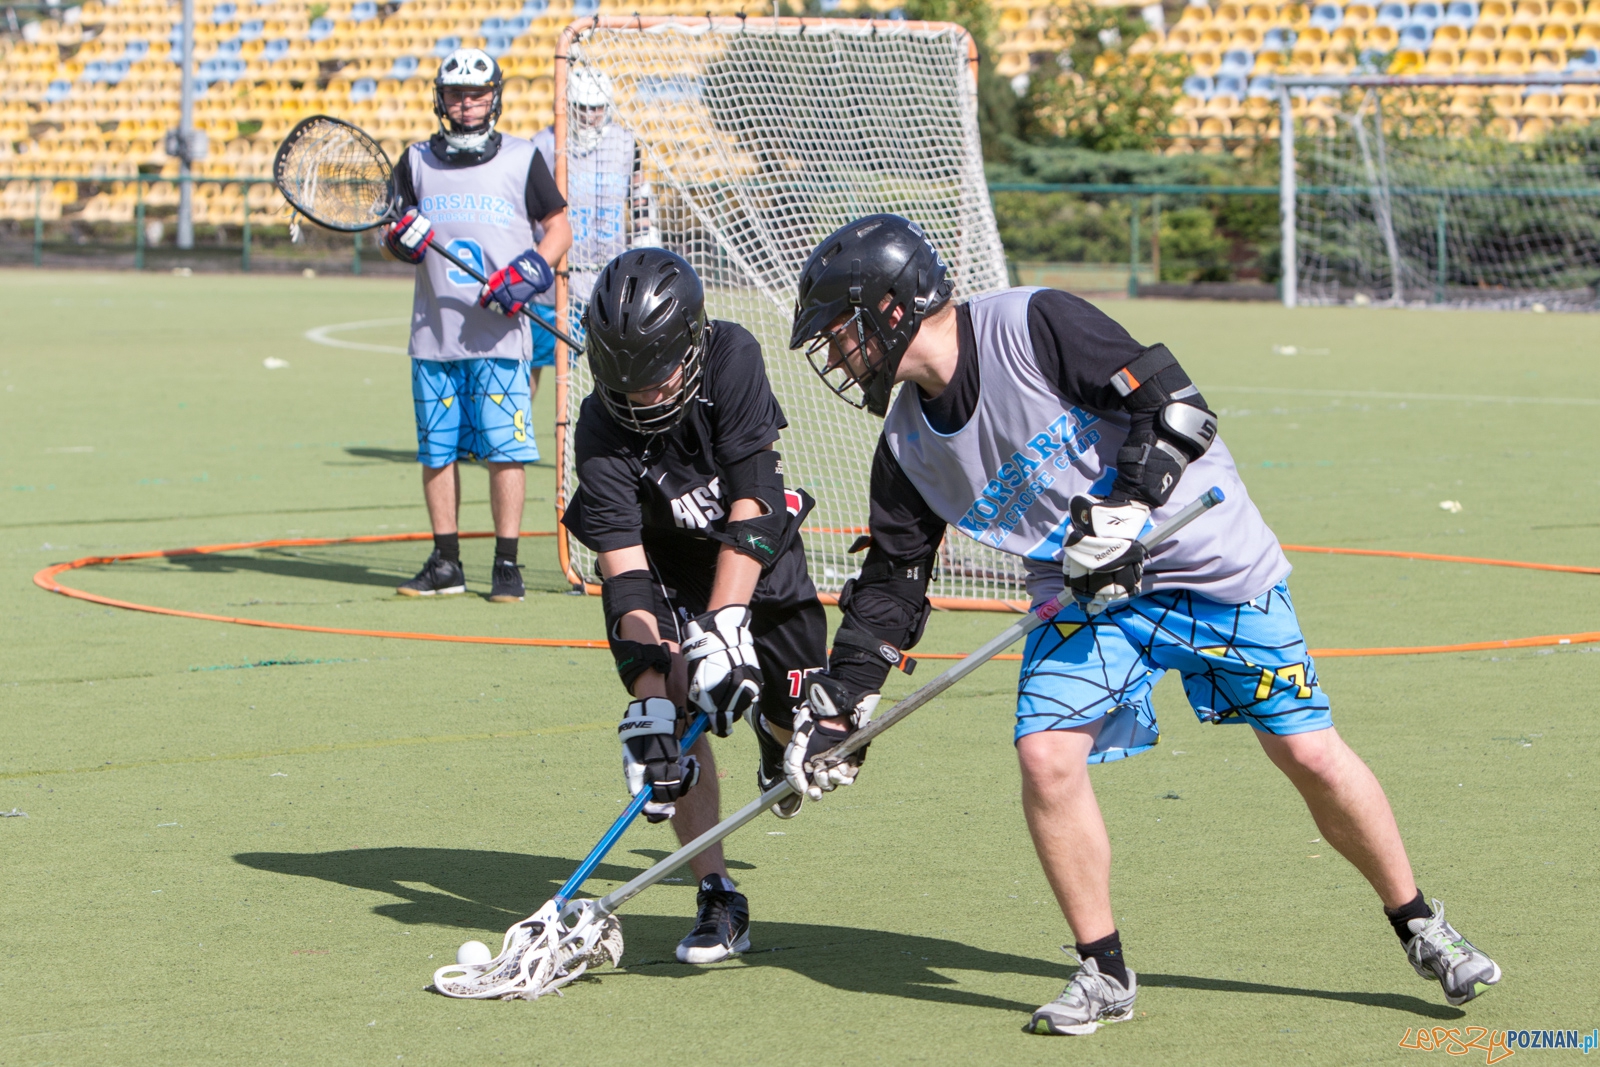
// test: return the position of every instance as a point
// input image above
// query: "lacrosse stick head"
(555, 945)
(335, 175)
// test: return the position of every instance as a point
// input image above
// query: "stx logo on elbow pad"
(699, 507)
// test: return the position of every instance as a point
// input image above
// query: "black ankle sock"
(448, 546)
(1399, 917)
(505, 548)
(1107, 953)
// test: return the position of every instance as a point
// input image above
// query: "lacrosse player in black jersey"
(708, 603)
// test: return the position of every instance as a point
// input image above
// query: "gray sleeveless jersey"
(480, 213)
(598, 184)
(1006, 477)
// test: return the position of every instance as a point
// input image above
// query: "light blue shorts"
(544, 342)
(472, 409)
(1239, 663)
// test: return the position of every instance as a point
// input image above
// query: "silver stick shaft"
(991, 648)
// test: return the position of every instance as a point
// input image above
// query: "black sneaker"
(507, 587)
(769, 768)
(438, 577)
(721, 929)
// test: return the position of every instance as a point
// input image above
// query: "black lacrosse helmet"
(864, 272)
(646, 319)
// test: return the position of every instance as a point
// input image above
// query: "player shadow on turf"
(488, 891)
(400, 455)
(290, 567)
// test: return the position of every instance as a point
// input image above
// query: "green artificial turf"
(252, 846)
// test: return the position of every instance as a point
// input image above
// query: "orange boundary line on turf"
(46, 580)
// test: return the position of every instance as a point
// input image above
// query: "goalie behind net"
(741, 143)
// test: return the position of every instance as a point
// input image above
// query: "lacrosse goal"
(745, 142)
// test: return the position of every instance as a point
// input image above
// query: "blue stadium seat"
(1264, 87)
(1416, 35)
(136, 49)
(364, 11)
(1463, 13)
(1229, 85)
(321, 29)
(1587, 59)
(1278, 39)
(1427, 13)
(230, 49)
(226, 11)
(1237, 61)
(498, 44)
(275, 50)
(251, 30)
(364, 89)
(57, 92)
(584, 8)
(517, 26)
(1199, 86)
(1326, 17)
(535, 8)
(445, 45)
(404, 67)
(491, 25)
(1393, 14)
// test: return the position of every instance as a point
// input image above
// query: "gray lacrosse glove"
(1105, 560)
(651, 757)
(826, 699)
(724, 676)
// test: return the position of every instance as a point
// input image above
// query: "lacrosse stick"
(564, 938)
(590, 927)
(341, 179)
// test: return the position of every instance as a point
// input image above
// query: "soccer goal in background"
(754, 139)
(1460, 190)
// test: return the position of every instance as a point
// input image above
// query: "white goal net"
(740, 144)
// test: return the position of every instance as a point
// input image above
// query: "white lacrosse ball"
(474, 952)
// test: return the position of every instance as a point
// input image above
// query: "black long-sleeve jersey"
(667, 492)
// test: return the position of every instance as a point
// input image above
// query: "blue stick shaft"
(629, 813)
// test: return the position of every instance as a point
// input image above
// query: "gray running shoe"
(438, 577)
(1439, 953)
(1090, 999)
(769, 771)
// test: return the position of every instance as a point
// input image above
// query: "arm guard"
(766, 537)
(1171, 427)
(632, 591)
(885, 610)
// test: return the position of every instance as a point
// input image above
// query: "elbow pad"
(885, 611)
(768, 536)
(632, 591)
(1172, 427)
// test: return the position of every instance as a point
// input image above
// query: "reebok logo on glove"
(509, 289)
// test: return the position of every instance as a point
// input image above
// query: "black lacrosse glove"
(724, 674)
(1105, 561)
(833, 710)
(652, 758)
(410, 237)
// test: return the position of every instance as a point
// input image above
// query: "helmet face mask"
(590, 98)
(668, 408)
(467, 69)
(877, 279)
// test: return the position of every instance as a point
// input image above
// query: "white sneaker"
(1091, 998)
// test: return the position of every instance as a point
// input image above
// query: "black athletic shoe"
(507, 587)
(721, 929)
(438, 577)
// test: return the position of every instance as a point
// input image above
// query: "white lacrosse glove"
(1105, 560)
(652, 758)
(812, 737)
(724, 676)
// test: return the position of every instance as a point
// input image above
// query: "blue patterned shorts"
(1239, 663)
(472, 409)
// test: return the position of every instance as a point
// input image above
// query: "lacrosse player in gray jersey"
(1033, 423)
(470, 345)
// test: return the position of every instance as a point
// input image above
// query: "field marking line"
(315, 750)
(322, 335)
(46, 579)
(1355, 394)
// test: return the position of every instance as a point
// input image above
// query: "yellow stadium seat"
(1531, 12)
(1511, 59)
(1195, 15)
(1587, 35)
(1485, 34)
(1544, 61)
(1227, 14)
(1476, 61)
(1214, 37)
(1406, 61)
(1520, 35)
(1381, 38)
(1453, 37)
(1204, 61)
(1261, 15)
(1246, 37)
(1179, 39)
(1494, 12)
(1579, 105)
(1531, 129)
(1555, 35)
(1440, 61)
(1216, 126)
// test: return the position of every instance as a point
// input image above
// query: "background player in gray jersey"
(469, 344)
(1032, 422)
